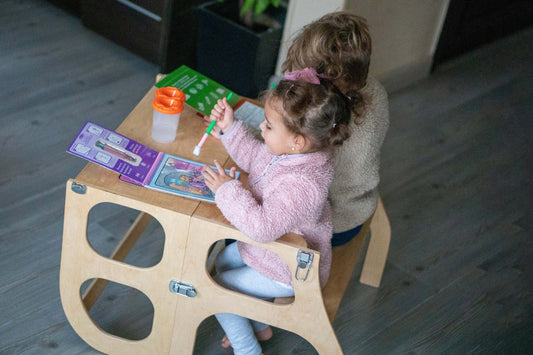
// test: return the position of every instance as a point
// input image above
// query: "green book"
(201, 92)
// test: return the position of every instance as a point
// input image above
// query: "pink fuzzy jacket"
(287, 193)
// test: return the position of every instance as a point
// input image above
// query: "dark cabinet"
(472, 23)
(161, 31)
(72, 6)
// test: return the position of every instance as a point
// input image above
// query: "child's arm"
(241, 145)
(297, 199)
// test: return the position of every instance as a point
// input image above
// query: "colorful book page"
(114, 151)
(182, 177)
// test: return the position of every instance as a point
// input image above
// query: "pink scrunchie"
(306, 74)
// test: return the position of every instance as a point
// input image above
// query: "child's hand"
(223, 114)
(215, 132)
(215, 179)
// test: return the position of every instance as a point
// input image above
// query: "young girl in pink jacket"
(289, 176)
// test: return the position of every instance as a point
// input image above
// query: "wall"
(300, 13)
(404, 32)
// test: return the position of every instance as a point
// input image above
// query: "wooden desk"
(138, 126)
(191, 229)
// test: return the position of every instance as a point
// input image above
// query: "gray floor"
(456, 182)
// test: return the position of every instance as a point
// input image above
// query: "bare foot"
(225, 342)
(262, 335)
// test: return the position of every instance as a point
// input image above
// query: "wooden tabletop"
(138, 126)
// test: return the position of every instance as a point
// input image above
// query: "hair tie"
(324, 76)
(307, 74)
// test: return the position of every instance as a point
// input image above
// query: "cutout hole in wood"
(109, 223)
(121, 310)
(219, 262)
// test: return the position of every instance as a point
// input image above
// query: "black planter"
(237, 57)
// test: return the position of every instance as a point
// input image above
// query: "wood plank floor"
(456, 182)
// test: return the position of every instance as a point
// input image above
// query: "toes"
(225, 342)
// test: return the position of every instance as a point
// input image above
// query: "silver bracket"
(181, 288)
(305, 259)
(78, 188)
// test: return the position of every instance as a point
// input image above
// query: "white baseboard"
(407, 75)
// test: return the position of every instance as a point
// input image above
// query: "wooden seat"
(345, 257)
(311, 308)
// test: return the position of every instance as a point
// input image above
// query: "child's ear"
(300, 143)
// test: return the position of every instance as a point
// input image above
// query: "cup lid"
(168, 105)
(170, 92)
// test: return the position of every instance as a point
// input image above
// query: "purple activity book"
(141, 165)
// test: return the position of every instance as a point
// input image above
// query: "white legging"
(234, 274)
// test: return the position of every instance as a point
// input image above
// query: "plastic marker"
(198, 147)
(202, 141)
(118, 152)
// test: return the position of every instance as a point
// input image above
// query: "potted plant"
(238, 42)
(252, 12)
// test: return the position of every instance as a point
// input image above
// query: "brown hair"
(319, 112)
(337, 46)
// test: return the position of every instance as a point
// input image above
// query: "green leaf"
(261, 6)
(247, 6)
(276, 3)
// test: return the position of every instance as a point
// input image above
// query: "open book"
(141, 165)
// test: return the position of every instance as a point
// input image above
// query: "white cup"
(164, 127)
(166, 118)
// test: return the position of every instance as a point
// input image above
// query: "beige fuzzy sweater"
(353, 193)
